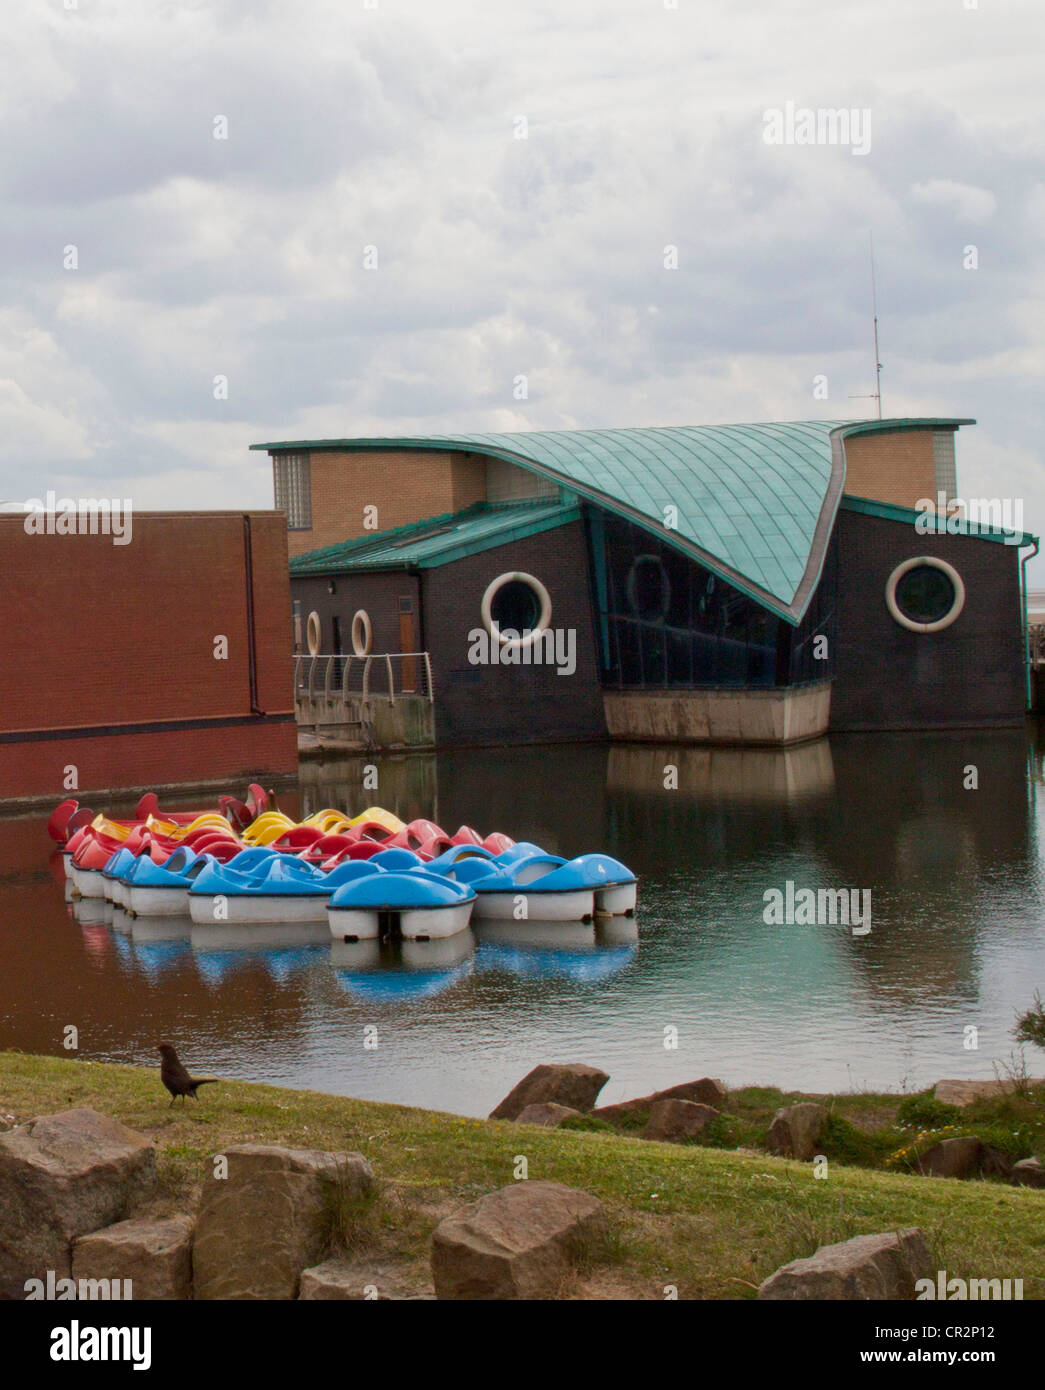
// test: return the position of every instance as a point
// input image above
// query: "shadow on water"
(941, 830)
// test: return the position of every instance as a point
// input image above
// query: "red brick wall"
(103, 635)
(403, 484)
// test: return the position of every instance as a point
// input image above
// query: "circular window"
(925, 594)
(514, 604)
(315, 634)
(362, 633)
(649, 588)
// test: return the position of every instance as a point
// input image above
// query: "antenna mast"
(877, 395)
(874, 308)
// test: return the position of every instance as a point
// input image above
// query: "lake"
(939, 833)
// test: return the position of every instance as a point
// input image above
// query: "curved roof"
(755, 503)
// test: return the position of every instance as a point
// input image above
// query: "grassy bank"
(712, 1222)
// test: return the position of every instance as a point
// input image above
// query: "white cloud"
(968, 204)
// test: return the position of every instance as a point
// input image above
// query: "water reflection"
(957, 933)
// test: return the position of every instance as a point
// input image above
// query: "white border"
(543, 620)
(933, 563)
(313, 624)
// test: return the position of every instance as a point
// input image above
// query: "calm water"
(957, 937)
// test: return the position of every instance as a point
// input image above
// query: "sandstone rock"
(1029, 1172)
(156, 1256)
(516, 1243)
(796, 1130)
(62, 1176)
(563, 1083)
(343, 1280)
(675, 1121)
(546, 1113)
(270, 1218)
(866, 1267)
(706, 1091)
(952, 1158)
(965, 1092)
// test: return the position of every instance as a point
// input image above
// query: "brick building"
(116, 675)
(756, 583)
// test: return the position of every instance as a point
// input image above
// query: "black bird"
(176, 1078)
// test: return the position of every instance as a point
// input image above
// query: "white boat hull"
(575, 905)
(415, 924)
(617, 900)
(89, 883)
(157, 901)
(273, 907)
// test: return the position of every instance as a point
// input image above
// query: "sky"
(231, 221)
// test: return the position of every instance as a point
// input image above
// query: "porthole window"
(362, 633)
(315, 634)
(649, 589)
(516, 603)
(925, 594)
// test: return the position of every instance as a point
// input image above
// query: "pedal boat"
(522, 885)
(414, 904)
(273, 888)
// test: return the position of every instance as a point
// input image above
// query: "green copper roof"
(439, 539)
(755, 503)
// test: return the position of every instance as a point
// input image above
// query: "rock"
(156, 1256)
(62, 1176)
(1029, 1172)
(546, 1113)
(952, 1158)
(675, 1121)
(571, 1084)
(342, 1280)
(995, 1163)
(270, 1218)
(965, 1092)
(706, 1091)
(796, 1130)
(519, 1242)
(866, 1267)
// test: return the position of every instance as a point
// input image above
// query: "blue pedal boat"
(545, 887)
(412, 904)
(161, 890)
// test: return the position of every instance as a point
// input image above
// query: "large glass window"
(293, 486)
(664, 620)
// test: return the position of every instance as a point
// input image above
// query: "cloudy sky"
(395, 125)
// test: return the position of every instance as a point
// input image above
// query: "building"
(155, 659)
(730, 584)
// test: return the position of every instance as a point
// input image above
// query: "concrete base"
(767, 716)
(365, 724)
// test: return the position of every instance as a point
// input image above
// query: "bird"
(175, 1076)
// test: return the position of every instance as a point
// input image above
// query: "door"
(408, 643)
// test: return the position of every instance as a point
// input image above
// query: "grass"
(713, 1222)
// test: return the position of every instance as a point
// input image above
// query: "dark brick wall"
(103, 635)
(886, 677)
(377, 594)
(513, 704)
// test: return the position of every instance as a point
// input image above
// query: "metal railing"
(378, 676)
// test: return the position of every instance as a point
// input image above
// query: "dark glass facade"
(662, 620)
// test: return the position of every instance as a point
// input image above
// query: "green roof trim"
(438, 540)
(889, 511)
(754, 503)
